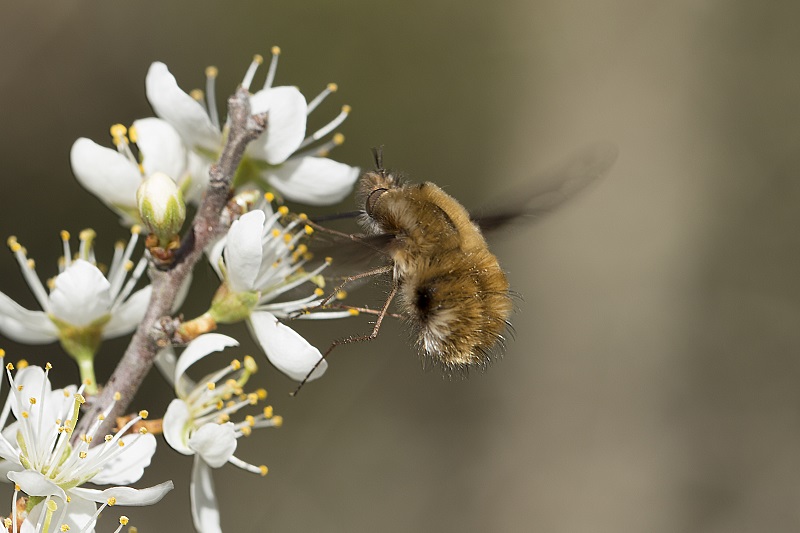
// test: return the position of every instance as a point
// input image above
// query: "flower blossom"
(279, 159)
(44, 462)
(114, 175)
(198, 421)
(259, 261)
(83, 306)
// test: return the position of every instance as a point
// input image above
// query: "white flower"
(277, 159)
(114, 175)
(84, 306)
(198, 422)
(259, 261)
(43, 462)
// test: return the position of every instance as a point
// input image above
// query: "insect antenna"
(359, 338)
(377, 153)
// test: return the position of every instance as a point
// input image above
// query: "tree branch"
(206, 226)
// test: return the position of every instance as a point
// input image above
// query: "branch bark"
(206, 226)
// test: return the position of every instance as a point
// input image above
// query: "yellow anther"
(346, 109)
(329, 260)
(64, 527)
(268, 411)
(250, 419)
(211, 385)
(87, 234)
(119, 245)
(338, 139)
(236, 364)
(22, 363)
(17, 487)
(108, 438)
(101, 417)
(52, 506)
(32, 264)
(262, 394)
(220, 405)
(121, 443)
(341, 295)
(82, 455)
(118, 132)
(332, 87)
(276, 233)
(64, 235)
(287, 238)
(263, 469)
(128, 266)
(32, 400)
(14, 246)
(20, 387)
(276, 50)
(117, 396)
(319, 292)
(123, 520)
(268, 196)
(111, 501)
(24, 414)
(144, 414)
(250, 364)
(87, 382)
(142, 430)
(246, 431)
(308, 229)
(80, 399)
(283, 210)
(212, 71)
(136, 229)
(47, 366)
(277, 421)
(302, 216)
(2, 353)
(133, 135)
(354, 312)
(197, 95)
(258, 58)
(252, 398)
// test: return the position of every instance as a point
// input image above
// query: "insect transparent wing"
(549, 189)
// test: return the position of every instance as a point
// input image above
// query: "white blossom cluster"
(152, 170)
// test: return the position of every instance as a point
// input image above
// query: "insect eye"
(424, 297)
(372, 199)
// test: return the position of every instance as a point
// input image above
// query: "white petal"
(175, 421)
(214, 253)
(215, 443)
(205, 512)
(81, 295)
(197, 172)
(127, 495)
(243, 251)
(285, 348)
(23, 325)
(35, 484)
(181, 110)
(80, 512)
(106, 173)
(313, 180)
(286, 123)
(161, 148)
(32, 379)
(127, 467)
(128, 315)
(199, 348)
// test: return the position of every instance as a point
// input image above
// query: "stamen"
(85, 251)
(273, 66)
(29, 273)
(211, 95)
(323, 150)
(251, 71)
(323, 131)
(331, 88)
(65, 246)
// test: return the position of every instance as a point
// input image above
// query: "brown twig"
(207, 225)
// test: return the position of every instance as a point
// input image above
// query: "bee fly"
(449, 287)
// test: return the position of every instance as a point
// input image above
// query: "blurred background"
(653, 382)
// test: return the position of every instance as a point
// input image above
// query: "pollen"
(82, 455)
(212, 72)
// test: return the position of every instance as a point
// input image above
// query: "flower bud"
(161, 206)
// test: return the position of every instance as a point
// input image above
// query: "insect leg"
(349, 340)
(348, 279)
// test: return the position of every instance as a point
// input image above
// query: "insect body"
(450, 287)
